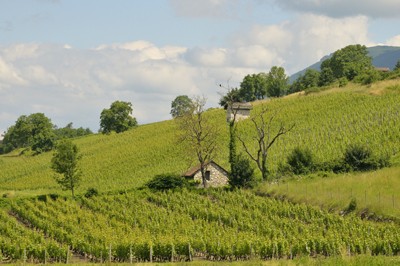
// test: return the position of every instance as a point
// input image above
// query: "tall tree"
(277, 82)
(35, 131)
(253, 87)
(118, 118)
(181, 105)
(266, 135)
(65, 163)
(349, 62)
(199, 134)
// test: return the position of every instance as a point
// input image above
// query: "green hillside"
(382, 56)
(126, 223)
(325, 122)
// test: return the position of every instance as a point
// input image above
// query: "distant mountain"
(382, 56)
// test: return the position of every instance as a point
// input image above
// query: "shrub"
(91, 192)
(242, 173)
(352, 206)
(360, 158)
(343, 82)
(301, 161)
(167, 181)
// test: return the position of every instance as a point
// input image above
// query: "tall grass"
(375, 192)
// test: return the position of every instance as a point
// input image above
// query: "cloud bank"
(73, 85)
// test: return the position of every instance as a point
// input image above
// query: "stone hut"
(216, 176)
(242, 111)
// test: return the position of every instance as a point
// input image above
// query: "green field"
(124, 221)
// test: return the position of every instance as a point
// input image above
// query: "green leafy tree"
(277, 82)
(397, 66)
(349, 62)
(65, 164)
(242, 173)
(118, 118)
(310, 79)
(253, 87)
(181, 105)
(35, 131)
(326, 76)
(233, 95)
(70, 132)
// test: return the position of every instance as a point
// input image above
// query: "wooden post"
(67, 259)
(130, 254)
(172, 252)
(24, 256)
(109, 254)
(190, 254)
(151, 253)
(45, 255)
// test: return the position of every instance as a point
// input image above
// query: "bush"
(301, 161)
(167, 181)
(242, 173)
(358, 158)
(91, 192)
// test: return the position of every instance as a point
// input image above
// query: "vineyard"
(325, 122)
(181, 225)
(126, 223)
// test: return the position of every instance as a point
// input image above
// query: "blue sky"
(70, 59)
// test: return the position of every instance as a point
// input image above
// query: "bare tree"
(265, 137)
(199, 134)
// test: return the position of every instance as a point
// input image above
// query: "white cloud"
(344, 8)
(298, 43)
(74, 85)
(395, 41)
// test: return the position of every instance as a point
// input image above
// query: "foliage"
(242, 173)
(368, 77)
(360, 158)
(164, 182)
(181, 105)
(91, 192)
(233, 95)
(310, 79)
(216, 224)
(65, 162)
(35, 131)
(277, 82)
(253, 87)
(70, 132)
(117, 118)
(397, 66)
(301, 161)
(348, 62)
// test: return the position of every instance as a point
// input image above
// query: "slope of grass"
(325, 122)
(375, 192)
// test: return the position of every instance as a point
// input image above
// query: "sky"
(70, 59)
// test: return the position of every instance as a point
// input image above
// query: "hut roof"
(192, 171)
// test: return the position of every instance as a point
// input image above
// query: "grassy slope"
(326, 122)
